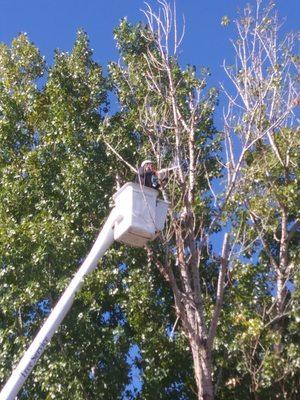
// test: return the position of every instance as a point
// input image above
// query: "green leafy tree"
(54, 186)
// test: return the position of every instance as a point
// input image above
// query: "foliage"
(53, 196)
(55, 190)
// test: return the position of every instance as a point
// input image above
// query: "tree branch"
(220, 291)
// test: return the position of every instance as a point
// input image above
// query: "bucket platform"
(141, 214)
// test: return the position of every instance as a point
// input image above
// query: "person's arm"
(140, 176)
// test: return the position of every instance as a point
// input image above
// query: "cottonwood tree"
(56, 182)
(53, 196)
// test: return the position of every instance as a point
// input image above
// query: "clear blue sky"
(52, 24)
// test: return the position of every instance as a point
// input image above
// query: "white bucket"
(141, 214)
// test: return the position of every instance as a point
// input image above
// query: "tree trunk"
(196, 333)
(203, 371)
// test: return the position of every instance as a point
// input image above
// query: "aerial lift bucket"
(143, 215)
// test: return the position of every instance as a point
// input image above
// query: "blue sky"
(52, 24)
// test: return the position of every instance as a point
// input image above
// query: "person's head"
(147, 165)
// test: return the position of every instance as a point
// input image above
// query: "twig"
(120, 157)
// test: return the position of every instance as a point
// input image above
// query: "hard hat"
(146, 162)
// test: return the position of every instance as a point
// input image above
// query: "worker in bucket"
(147, 175)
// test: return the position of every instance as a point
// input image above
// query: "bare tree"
(174, 116)
(263, 111)
(261, 135)
(183, 122)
